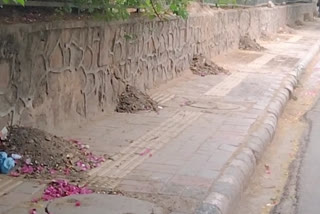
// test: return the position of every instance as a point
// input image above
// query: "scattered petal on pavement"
(78, 203)
(61, 188)
(33, 211)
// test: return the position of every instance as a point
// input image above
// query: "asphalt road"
(308, 191)
(302, 192)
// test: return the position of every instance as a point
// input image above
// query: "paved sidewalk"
(175, 157)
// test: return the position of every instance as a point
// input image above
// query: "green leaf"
(21, 2)
(117, 9)
(91, 10)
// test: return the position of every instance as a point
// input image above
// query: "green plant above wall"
(20, 2)
(114, 9)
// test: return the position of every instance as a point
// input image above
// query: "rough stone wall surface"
(57, 74)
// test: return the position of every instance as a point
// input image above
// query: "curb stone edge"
(228, 188)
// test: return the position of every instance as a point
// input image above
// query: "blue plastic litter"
(7, 165)
(3, 156)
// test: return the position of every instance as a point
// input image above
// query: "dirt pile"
(202, 66)
(266, 37)
(246, 43)
(296, 25)
(299, 23)
(133, 100)
(45, 155)
(286, 30)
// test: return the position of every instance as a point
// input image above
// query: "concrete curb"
(226, 192)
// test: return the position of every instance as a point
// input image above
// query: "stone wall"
(57, 74)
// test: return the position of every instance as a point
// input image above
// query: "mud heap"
(40, 154)
(246, 43)
(133, 100)
(202, 66)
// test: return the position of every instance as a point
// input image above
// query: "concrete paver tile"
(228, 148)
(247, 115)
(259, 107)
(223, 138)
(193, 166)
(195, 192)
(206, 150)
(139, 175)
(179, 213)
(195, 181)
(21, 210)
(162, 158)
(140, 186)
(218, 159)
(29, 188)
(208, 173)
(4, 208)
(189, 170)
(15, 198)
(172, 189)
(239, 121)
(234, 128)
(158, 167)
(232, 132)
(161, 177)
(198, 159)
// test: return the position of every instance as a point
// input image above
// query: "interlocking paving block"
(224, 87)
(162, 97)
(102, 204)
(7, 184)
(109, 173)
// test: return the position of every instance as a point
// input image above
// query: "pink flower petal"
(146, 151)
(36, 200)
(14, 174)
(67, 171)
(26, 169)
(33, 211)
(62, 188)
(78, 203)
(52, 171)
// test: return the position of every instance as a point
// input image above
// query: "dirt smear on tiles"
(202, 66)
(246, 43)
(133, 100)
(44, 155)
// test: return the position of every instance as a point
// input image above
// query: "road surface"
(308, 191)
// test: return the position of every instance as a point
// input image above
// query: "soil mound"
(246, 43)
(43, 154)
(202, 66)
(133, 100)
